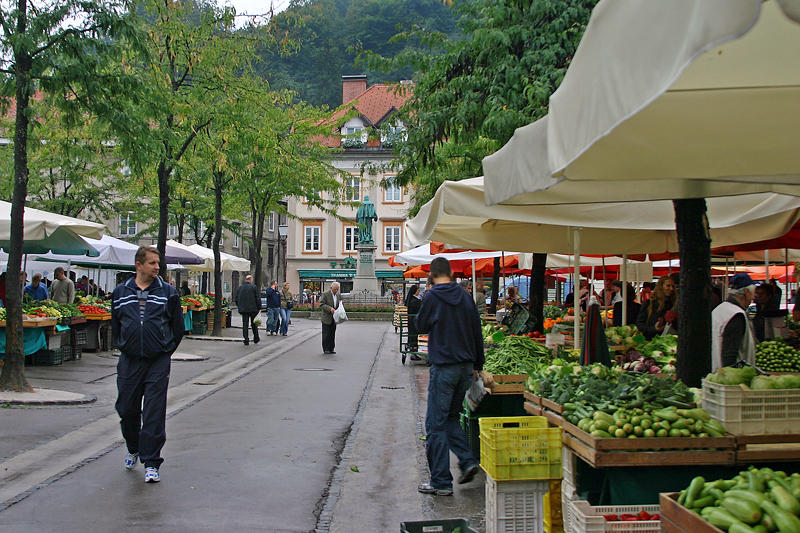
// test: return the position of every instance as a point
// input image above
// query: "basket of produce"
(599, 519)
(750, 404)
(754, 500)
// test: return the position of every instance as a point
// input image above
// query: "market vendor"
(732, 336)
(36, 288)
(653, 315)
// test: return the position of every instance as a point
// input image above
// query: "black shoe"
(468, 474)
(326, 352)
(247, 342)
(331, 352)
(255, 341)
(427, 488)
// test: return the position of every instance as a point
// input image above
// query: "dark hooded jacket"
(149, 330)
(449, 315)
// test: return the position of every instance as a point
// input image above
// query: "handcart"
(400, 322)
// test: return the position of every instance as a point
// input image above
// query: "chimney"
(352, 86)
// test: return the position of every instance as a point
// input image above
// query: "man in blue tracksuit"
(147, 326)
(273, 308)
(455, 351)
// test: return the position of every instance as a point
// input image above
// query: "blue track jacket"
(450, 316)
(150, 330)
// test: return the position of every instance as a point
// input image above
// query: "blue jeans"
(273, 319)
(286, 314)
(446, 389)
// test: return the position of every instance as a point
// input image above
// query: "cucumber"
(755, 482)
(605, 416)
(694, 490)
(705, 501)
(785, 521)
(599, 433)
(759, 528)
(600, 424)
(784, 499)
(746, 511)
(768, 522)
(721, 518)
(749, 495)
(740, 528)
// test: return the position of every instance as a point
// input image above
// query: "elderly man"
(249, 303)
(36, 289)
(62, 289)
(732, 336)
(328, 304)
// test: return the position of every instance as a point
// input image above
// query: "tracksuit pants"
(142, 405)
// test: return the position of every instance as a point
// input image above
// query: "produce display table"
(33, 339)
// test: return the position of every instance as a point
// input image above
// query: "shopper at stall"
(455, 351)
(147, 326)
(36, 288)
(273, 308)
(732, 338)
(62, 290)
(185, 290)
(327, 305)
(287, 302)
(480, 301)
(83, 285)
(652, 317)
(632, 312)
(763, 298)
(412, 303)
(584, 294)
(249, 304)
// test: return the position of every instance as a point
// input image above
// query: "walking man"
(327, 305)
(249, 303)
(455, 351)
(273, 308)
(62, 290)
(147, 326)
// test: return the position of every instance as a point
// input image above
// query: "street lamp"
(283, 232)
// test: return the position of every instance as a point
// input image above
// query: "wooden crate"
(533, 409)
(508, 384)
(767, 448)
(676, 518)
(659, 451)
(532, 398)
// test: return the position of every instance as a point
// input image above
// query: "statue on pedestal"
(364, 216)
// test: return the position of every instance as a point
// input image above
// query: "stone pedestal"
(365, 283)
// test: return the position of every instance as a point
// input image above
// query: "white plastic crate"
(568, 494)
(585, 518)
(569, 465)
(54, 341)
(752, 412)
(515, 506)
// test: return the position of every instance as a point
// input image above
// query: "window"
(352, 189)
(310, 194)
(271, 220)
(270, 255)
(352, 130)
(392, 192)
(350, 238)
(235, 232)
(172, 230)
(392, 235)
(127, 226)
(312, 239)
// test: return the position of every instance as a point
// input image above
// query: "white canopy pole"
(624, 289)
(576, 291)
(787, 285)
(766, 266)
(474, 287)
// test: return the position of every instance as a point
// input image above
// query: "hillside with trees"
(325, 37)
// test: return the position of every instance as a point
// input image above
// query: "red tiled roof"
(375, 104)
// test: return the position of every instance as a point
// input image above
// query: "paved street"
(260, 438)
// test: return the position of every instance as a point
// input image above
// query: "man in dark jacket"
(249, 304)
(147, 326)
(455, 351)
(273, 308)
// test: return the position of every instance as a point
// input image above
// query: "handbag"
(289, 304)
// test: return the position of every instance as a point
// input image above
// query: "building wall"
(391, 213)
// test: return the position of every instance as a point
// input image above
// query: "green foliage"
(471, 94)
(326, 36)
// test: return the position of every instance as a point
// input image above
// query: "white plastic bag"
(475, 394)
(339, 315)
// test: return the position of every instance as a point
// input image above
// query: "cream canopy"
(44, 231)
(605, 228)
(696, 89)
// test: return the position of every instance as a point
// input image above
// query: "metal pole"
(576, 301)
(624, 289)
(474, 287)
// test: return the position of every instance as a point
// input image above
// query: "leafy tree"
(59, 48)
(74, 169)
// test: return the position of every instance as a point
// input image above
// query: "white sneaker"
(130, 460)
(151, 475)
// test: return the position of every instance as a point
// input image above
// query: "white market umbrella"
(229, 262)
(44, 232)
(421, 255)
(695, 89)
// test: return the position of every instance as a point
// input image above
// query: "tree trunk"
(694, 311)
(218, 317)
(495, 286)
(12, 374)
(163, 214)
(537, 290)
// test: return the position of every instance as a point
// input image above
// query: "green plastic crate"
(438, 526)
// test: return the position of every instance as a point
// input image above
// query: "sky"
(255, 7)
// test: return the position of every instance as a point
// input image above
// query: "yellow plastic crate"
(520, 448)
(553, 519)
